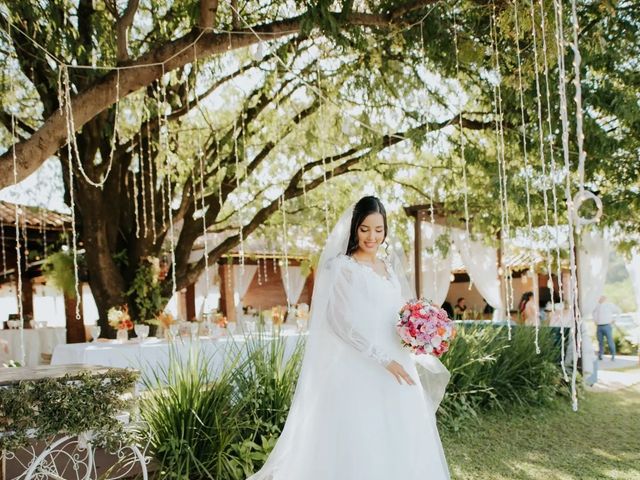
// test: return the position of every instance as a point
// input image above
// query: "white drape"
(293, 285)
(207, 301)
(633, 268)
(242, 281)
(593, 261)
(436, 270)
(481, 262)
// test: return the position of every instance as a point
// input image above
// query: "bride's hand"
(399, 372)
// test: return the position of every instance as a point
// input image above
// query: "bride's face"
(371, 233)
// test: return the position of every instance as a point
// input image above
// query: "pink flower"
(424, 328)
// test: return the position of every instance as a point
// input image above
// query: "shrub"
(222, 424)
(490, 371)
(193, 420)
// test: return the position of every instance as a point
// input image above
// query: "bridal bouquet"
(425, 328)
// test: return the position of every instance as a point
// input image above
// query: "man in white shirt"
(603, 316)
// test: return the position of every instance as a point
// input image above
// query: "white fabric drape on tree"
(293, 285)
(593, 261)
(242, 281)
(633, 268)
(481, 262)
(435, 269)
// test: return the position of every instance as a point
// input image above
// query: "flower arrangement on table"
(425, 328)
(164, 320)
(119, 318)
(221, 320)
(277, 314)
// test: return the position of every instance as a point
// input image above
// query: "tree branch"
(96, 98)
(5, 119)
(123, 23)
(208, 11)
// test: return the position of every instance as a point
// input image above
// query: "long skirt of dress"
(350, 419)
(360, 425)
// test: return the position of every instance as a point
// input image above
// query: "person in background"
(460, 309)
(446, 306)
(528, 309)
(488, 310)
(603, 316)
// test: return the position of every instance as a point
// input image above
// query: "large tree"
(337, 92)
(161, 184)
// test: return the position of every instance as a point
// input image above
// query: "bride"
(362, 409)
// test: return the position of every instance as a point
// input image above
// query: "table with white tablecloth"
(37, 341)
(153, 356)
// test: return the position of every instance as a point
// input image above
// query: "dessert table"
(153, 356)
(36, 342)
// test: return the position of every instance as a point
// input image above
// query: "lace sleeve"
(340, 313)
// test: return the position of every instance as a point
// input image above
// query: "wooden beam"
(190, 299)
(75, 326)
(227, 305)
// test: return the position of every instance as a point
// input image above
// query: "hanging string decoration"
(136, 210)
(17, 211)
(285, 241)
(503, 270)
(143, 189)
(71, 147)
(152, 173)
(2, 244)
(64, 91)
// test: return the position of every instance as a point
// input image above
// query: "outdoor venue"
(171, 173)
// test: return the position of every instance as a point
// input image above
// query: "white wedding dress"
(350, 419)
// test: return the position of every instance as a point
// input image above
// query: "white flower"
(114, 315)
(436, 341)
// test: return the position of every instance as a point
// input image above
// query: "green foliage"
(58, 269)
(145, 293)
(623, 345)
(201, 427)
(70, 405)
(489, 371)
(621, 293)
(194, 421)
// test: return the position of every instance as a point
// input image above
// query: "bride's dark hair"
(365, 207)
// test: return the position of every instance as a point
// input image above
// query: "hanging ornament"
(578, 200)
(134, 181)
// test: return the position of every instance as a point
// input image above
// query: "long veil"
(317, 357)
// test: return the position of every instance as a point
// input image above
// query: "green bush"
(222, 425)
(623, 345)
(490, 371)
(193, 420)
(266, 383)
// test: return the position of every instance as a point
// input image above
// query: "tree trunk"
(105, 278)
(75, 326)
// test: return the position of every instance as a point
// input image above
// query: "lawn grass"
(601, 441)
